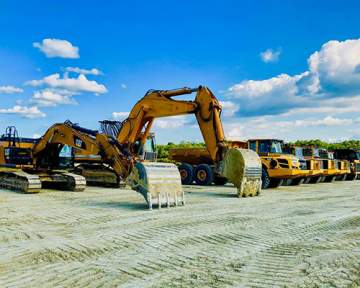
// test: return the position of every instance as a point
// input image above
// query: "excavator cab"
(147, 152)
(12, 153)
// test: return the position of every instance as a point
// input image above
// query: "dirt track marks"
(286, 237)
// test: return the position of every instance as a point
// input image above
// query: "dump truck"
(277, 167)
(353, 156)
(341, 167)
(307, 162)
(197, 166)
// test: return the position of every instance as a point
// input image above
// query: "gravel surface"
(307, 236)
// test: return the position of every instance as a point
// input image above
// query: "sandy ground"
(306, 236)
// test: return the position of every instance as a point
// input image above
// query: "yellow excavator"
(242, 167)
(25, 165)
(159, 183)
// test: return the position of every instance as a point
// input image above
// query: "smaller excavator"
(23, 166)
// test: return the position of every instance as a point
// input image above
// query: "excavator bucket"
(242, 167)
(159, 183)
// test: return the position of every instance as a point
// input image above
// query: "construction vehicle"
(23, 168)
(353, 156)
(92, 167)
(241, 167)
(43, 161)
(341, 167)
(331, 169)
(277, 167)
(196, 164)
(159, 183)
(308, 162)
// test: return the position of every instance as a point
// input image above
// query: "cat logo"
(79, 143)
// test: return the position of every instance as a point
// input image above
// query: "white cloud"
(123, 86)
(120, 115)
(333, 72)
(327, 121)
(48, 98)
(24, 111)
(271, 96)
(272, 127)
(78, 70)
(57, 48)
(172, 122)
(229, 108)
(270, 55)
(79, 84)
(330, 106)
(337, 65)
(10, 90)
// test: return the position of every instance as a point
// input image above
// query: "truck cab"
(353, 156)
(309, 160)
(278, 167)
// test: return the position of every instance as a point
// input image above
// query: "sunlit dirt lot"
(307, 236)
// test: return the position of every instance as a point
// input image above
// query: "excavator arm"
(50, 144)
(160, 103)
(242, 167)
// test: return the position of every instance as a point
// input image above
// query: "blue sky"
(285, 69)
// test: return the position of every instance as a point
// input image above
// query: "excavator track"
(20, 181)
(61, 180)
(77, 183)
(98, 175)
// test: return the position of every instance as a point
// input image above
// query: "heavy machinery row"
(69, 157)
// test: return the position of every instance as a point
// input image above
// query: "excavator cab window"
(148, 150)
(66, 157)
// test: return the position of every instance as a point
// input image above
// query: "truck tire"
(287, 182)
(330, 179)
(297, 181)
(275, 182)
(350, 177)
(341, 178)
(218, 180)
(265, 179)
(203, 174)
(186, 173)
(315, 180)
